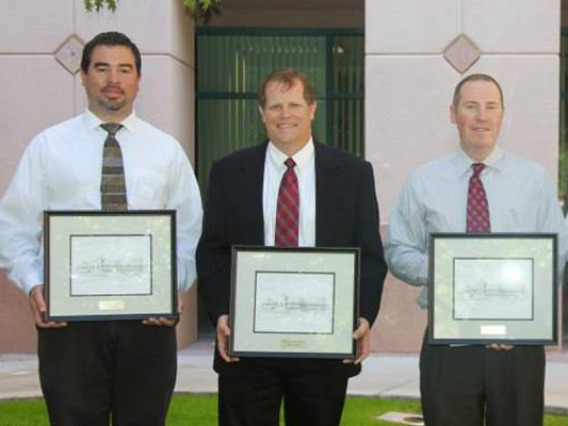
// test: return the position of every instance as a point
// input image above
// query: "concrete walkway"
(384, 375)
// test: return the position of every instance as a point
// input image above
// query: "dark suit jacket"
(346, 216)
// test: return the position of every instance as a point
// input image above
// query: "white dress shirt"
(520, 194)
(61, 170)
(274, 169)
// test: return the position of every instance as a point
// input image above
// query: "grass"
(201, 410)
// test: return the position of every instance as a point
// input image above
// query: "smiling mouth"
(113, 92)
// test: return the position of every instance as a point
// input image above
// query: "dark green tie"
(113, 185)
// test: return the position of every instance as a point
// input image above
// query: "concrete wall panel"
(409, 86)
(182, 34)
(426, 26)
(35, 26)
(401, 322)
(36, 93)
(530, 126)
(522, 26)
(407, 108)
(146, 22)
(17, 330)
(168, 104)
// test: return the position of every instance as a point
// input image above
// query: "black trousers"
(91, 372)
(252, 395)
(470, 385)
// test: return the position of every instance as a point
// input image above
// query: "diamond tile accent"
(69, 54)
(462, 53)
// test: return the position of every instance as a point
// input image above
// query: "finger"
(149, 321)
(223, 349)
(364, 347)
(180, 306)
(363, 337)
(363, 353)
(223, 333)
(500, 347)
(362, 329)
(39, 310)
(159, 322)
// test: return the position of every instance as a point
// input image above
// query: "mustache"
(112, 87)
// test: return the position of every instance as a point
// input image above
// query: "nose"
(113, 75)
(481, 113)
(285, 111)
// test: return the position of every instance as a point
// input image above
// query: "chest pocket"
(147, 189)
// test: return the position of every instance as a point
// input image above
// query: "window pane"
(231, 66)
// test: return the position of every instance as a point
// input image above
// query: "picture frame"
(294, 302)
(102, 265)
(493, 288)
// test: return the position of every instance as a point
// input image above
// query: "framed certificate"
(493, 288)
(299, 302)
(110, 265)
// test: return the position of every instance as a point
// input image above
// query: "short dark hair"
(111, 38)
(288, 77)
(476, 77)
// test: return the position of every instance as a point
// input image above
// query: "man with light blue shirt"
(467, 385)
(92, 372)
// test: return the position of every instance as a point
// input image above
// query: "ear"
(261, 111)
(313, 108)
(453, 113)
(83, 77)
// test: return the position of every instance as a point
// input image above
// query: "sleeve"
(185, 198)
(406, 247)
(373, 264)
(213, 251)
(21, 213)
(551, 220)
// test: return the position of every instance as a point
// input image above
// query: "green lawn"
(201, 410)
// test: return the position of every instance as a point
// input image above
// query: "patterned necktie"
(287, 209)
(113, 186)
(477, 206)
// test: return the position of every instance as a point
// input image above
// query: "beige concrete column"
(409, 85)
(38, 91)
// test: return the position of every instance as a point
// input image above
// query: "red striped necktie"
(288, 208)
(477, 207)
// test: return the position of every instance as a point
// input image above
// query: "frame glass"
(299, 302)
(110, 265)
(493, 288)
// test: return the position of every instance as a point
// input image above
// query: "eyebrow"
(106, 64)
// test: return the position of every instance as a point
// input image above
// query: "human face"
(287, 116)
(478, 117)
(111, 82)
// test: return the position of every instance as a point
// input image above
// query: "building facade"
(416, 51)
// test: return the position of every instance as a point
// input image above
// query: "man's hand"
(499, 347)
(223, 333)
(363, 337)
(37, 302)
(166, 322)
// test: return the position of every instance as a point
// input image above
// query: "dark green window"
(231, 64)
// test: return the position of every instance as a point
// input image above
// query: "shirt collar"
(93, 122)
(493, 161)
(301, 158)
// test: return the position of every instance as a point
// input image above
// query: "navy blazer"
(346, 216)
